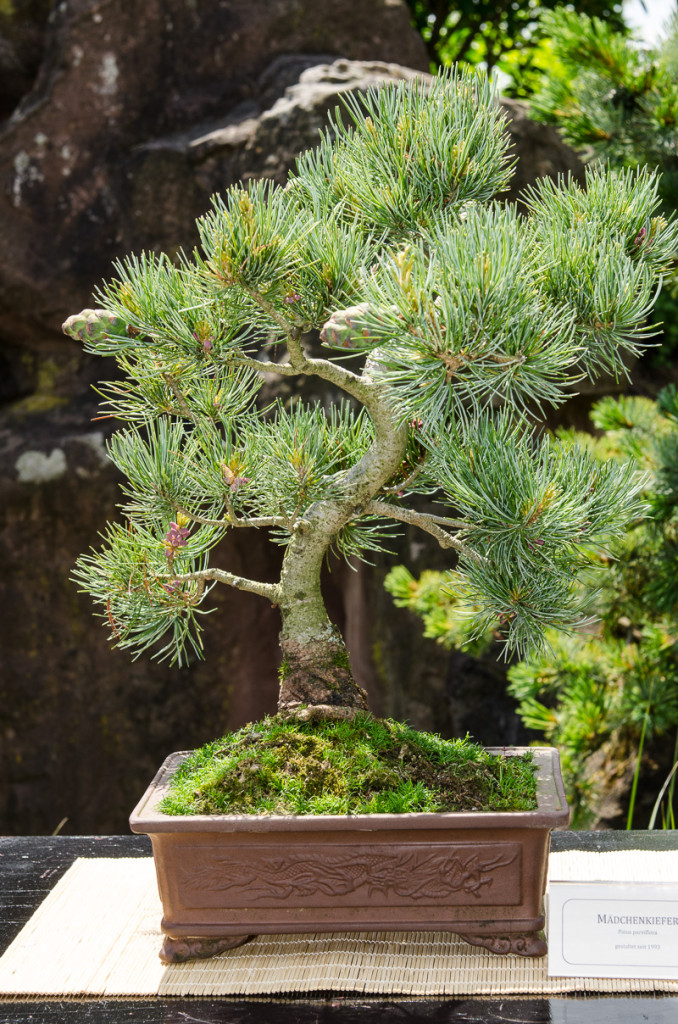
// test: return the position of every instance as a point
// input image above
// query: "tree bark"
(316, 680)
(315, 670)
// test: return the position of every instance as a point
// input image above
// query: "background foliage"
(505, 35)
(616, 102)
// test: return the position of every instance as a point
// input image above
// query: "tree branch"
(397, 512)
(348, 381)
(270, 310)
(257, 521)
(268, 590)
(426, 522)
(285, 369)
(300, 363)
(184, 407)
(399, 488)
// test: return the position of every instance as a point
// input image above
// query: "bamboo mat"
(97, 935)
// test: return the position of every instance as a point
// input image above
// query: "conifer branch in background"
(508, 36)
(617, 102)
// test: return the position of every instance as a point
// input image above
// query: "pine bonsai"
(449, 320)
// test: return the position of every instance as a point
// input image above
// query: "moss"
(341, 659)
(284, 669)
(37, 403)
(364, 766)
(338, 660)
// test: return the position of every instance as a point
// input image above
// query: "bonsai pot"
(225, 878)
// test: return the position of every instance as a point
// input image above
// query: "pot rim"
(551, 812)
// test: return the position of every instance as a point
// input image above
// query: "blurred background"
(118, 122)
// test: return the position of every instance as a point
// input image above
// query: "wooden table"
(31, 866)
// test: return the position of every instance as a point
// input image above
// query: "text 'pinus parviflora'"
(447, 318)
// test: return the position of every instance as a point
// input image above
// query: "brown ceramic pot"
(224, 878)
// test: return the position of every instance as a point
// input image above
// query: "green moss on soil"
(367, 766)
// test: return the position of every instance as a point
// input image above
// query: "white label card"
(613, 930)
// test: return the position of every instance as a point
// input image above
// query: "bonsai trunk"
(315, 673)
(316, 679)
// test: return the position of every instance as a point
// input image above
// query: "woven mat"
(97, 934)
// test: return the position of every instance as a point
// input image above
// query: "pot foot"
(177, 951)
(525, 944)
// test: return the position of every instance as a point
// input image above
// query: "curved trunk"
(315, 670)
(315, 675)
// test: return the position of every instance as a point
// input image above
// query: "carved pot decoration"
(225, 878)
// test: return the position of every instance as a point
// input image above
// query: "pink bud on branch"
(175, 538)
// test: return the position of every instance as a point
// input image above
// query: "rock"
(88, 169)
(23, 31)
(538, 150)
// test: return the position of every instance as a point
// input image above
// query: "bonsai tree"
(447, 319)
